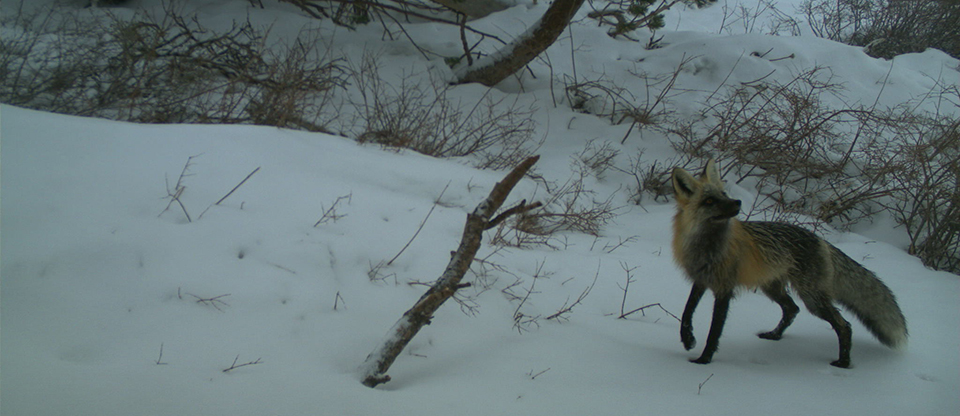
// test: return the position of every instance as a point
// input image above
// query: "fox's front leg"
(721, 304)
(686, 323)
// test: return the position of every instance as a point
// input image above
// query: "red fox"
(720, 253)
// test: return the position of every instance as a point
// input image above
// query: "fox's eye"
(709, 201)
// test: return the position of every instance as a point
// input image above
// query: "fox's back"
(794, 254)
(780, 240)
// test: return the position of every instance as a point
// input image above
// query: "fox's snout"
(726, 208)
(735, 206)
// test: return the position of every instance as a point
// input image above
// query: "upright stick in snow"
(374, 368)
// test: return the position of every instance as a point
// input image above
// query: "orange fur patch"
(752, 269)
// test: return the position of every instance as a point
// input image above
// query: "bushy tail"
(860, 291)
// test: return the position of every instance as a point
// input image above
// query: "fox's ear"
(711, 174)
(684, 184)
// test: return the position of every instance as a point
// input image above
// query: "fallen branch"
(374, 368)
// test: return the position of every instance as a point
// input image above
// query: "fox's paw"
(841, 363)
(772, 335)
(702, 360)
(688, 341)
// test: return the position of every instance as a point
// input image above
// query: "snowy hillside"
(112, 302)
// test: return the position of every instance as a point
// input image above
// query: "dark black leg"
(721, 305)
(778, 293)
(825, 310)
(686, 323)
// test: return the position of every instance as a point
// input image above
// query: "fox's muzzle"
(728, 209)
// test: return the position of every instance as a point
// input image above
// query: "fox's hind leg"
(823, 308)
(777, 292)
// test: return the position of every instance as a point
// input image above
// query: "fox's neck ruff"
(704, 247)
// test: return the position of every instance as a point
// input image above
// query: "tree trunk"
(375, 367)
(515, 55)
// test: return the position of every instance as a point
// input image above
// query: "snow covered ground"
(110, 305)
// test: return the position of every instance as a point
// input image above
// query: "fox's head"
(703, 199)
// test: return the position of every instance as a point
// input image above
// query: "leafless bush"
(652, 177)
(570, 207)
(352, 13)
(496, 132)
(926, 184)
(783, 136)
(808, 160)
(598, 158)
(888, 27)
(165, 68)
(765, 18)
(604, 98)
(835, 20)
(600, 97)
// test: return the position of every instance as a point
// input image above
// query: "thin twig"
(626, 287)
(422, 223)
(178, 189)
(214, 301)
(700, 387)
(624, 316)
(583, 295)
(160, 358)
(238, 186)
(235, 366)
(337, 300)
(610, 249)
(331, 213)
(534, 376)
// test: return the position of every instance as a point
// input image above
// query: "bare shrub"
(904, 26)
(600, 97)
(653, 177)
(422, 116)
(888, 27)
(605, 99)
(165, 68)
(926, 196)
(785, 138)
(569, 207)
(765, 18)
(835, 20)
(816, 164)
(598, 158)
